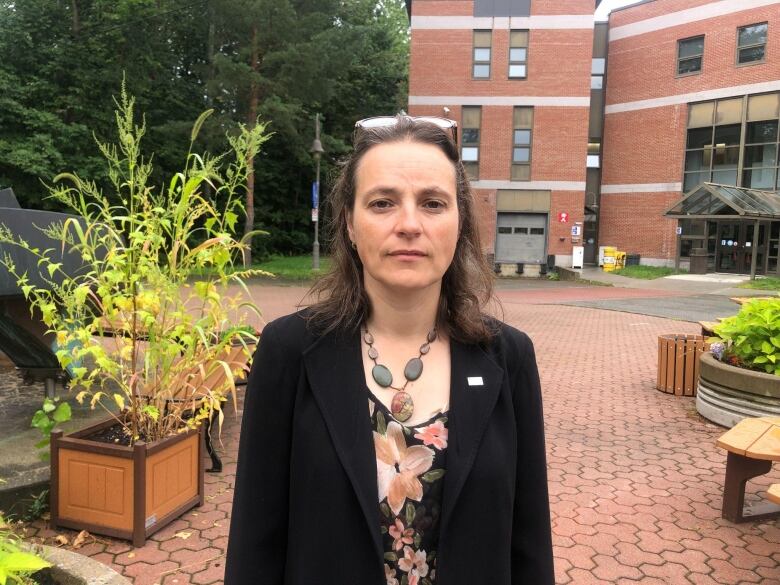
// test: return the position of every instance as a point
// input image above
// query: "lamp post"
(316, 151)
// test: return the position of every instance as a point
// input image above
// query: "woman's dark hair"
(467, 286)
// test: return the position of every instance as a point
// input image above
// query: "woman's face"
(405, 218)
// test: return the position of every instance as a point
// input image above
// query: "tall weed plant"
(152, 303)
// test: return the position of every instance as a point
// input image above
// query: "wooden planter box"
(120, 491)
(678, 363)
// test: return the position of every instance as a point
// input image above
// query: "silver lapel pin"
(475, 381)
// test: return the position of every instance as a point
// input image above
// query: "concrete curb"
(71, 568)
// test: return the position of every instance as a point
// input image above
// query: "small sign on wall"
(576, 230)
(563, 217)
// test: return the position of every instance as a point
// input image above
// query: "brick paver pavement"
(635, 477)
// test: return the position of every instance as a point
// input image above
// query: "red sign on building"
(563, 217)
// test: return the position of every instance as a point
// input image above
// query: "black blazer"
(305, 507)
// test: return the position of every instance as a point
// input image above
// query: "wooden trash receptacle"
(678, 363)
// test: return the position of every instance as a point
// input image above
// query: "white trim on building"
(562, 21)
(510, 100)
(641, 188)
(682, 17)
(699, 96)
(530, 185)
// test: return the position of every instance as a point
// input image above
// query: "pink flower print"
(414, 578)
(390, 575)
(399, 466)
(414, 562)
(434, 434)
(401, 536)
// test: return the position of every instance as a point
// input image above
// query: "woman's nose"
(409, 220)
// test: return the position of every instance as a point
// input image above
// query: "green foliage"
(15, 563)
(767, 283)
(752, 336)
(139, 250)
(46, 418)
(647, 272)
(58, 61)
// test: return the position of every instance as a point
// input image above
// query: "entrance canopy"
(713, 201)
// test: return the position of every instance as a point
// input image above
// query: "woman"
(392, 434)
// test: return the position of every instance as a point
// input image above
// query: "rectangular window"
(518, 54)
(724, 148)
(537, 231)
(504, 230)
(690, 53)
(594, 152)
(522, 133)
(597, 67)
(751, 43)
(469, 152)
(521, 230)
(481, 57)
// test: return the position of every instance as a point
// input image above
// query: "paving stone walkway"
(635, 477)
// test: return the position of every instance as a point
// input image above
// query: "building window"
(597, 73)
(518, 54)
(594, 158)
(522, 131)
(690, 53)
(760, 165)
(482, 49)
(731, 146)
(469, 151)
(751, 43)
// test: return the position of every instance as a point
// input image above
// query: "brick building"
(579, 133)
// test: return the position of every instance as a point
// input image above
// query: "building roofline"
(619, 9)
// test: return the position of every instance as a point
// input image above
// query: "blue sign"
(315, 194)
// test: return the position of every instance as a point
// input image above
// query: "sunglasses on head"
(386, 121)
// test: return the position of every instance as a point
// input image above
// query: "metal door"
(521, 238)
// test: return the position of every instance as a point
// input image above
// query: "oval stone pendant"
(382, 375)
(402, 406)
(413, 369)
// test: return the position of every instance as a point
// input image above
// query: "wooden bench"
(752, 445)
(708, 328)
(743, 300)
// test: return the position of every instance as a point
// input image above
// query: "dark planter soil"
(44, 577)
(114, 434)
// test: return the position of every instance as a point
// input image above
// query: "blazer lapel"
(335, 370)
(474, 388)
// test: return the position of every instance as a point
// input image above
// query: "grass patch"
(768, 283)
(647, 272)
(294, 267)
(285, 268)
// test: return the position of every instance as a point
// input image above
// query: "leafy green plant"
(15, 563)
(51, 413)
(146, 314)
(752, 336)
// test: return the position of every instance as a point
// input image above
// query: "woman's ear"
(350, 229)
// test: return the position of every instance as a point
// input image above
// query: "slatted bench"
(752, 445)
(708, 328)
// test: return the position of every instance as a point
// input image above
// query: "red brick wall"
(558, 64)
(644, 146)
(634, 222)
(650, 10)
(645, 66)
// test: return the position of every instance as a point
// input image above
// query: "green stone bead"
(413, 369)
(382, 375)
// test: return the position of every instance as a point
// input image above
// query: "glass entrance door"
(730, 247)
(734, 247)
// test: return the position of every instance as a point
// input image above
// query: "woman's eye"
(435, 204)
(380, 204)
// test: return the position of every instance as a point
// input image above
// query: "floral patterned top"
(410, 464)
